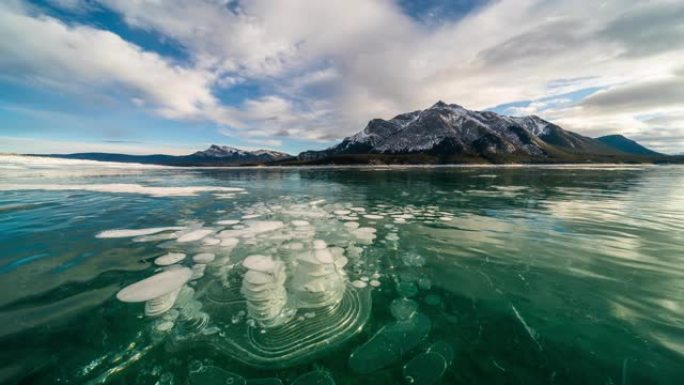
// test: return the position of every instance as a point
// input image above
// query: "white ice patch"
(120, 188)
(194, 235)
(129, 233)
(228, 222)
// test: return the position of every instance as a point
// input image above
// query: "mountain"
(215, 155)
(626, 145)
(449, 133)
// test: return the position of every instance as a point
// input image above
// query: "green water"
(531, 275)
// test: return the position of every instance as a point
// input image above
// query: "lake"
(444, 275)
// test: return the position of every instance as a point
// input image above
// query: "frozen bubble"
(164, 326)
(126, 233)
(194, 235)
(444, 349)
(229, 242)
(392, 237)
(413, 260)
(425, 369)
(204, 258)
(341, 262)
(324, 256)
(317, 202)
(319, 244)
(373, 216)
(424, 283)
(211, 375)
(365, 279)
(341, 212)
(317, 377)
(262, 263)
(293, 246)
(211, 241)
(251, 216)
(198, 271)
(446, 219)
(228, 222)
(258, 278)
(399, 220)
(375, 283)
(403, 308)
(162, 287)
(351, 225)
(389, 344)
(375, 276)
(300, 223)
(407, 289)
(433, 299)
(359, 284)
(358, 209)
(169, 259)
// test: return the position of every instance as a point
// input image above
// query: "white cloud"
(327, 67)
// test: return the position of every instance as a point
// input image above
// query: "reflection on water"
(532, 275)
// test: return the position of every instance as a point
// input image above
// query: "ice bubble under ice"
(444, 349)
(359, 284)
(204, 258)
(425, 369)
(211, 375)
(403, 308)
(389, 344)
(160, 290)
(194, 235)
(169, 259)
(228, 222)
(127, 233)
(317, 377)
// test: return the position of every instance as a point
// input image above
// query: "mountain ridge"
(440, 134)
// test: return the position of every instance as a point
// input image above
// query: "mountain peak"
(626, 145)
(442, 104)
(218, 151)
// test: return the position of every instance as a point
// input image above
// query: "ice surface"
(121, 188)
(212, 375)
(443, 349)
(317, 377)
(389, 344)
(127, 233)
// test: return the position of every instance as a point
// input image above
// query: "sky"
(174, 76)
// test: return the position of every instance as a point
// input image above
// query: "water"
(523, 275)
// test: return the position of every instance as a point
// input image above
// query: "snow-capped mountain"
(216, 151)
(445, 130)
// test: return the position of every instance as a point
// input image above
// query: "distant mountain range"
(449, 133)
(213, 156)
(441, 134)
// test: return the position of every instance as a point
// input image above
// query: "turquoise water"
(474, 275)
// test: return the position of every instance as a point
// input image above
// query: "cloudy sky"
(173, 76)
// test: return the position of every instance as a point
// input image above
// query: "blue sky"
(175, 76)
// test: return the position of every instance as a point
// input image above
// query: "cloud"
(325, 68)
(81, 59)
